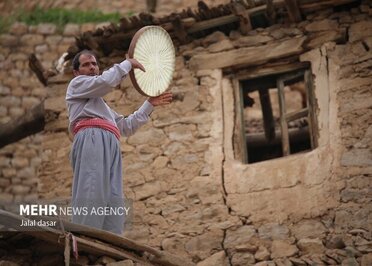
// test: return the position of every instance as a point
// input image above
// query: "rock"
(357, 157)
(283, 262)
(332, 254)
(46, 28)
(310, 246)
(273, 231)
(181, 132)
(366, 260)
(175, 246)
(147, 190)
(71, 29)
(349, 262)
(335, 242)
(203, 245)
(241, 259)
(121, 263)
(8, 40)
(215, 37)
(218, 258)
(309, 229)
(352, 252)
(322, 25)
(297, 262)
(206, 189)
(280, 249)
(246, 248)
(152, 136)
(220, 46)
(240, 236)
(18, 28)
(105, 260)
(360, 30)
(262, 254)
(265, 263)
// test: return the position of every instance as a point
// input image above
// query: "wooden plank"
(211, 23)
(115, 246)
(259, 139)
(267, 70)
(297, 114)
(240, 146)
(32, 122)
(293, 10)
(267, 113)
(248, 56)
(97, 248)
(319, 5)
(313, 129)
(283, 123)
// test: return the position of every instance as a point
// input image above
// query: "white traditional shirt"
(84, 99)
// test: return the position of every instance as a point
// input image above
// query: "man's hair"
(76, 62)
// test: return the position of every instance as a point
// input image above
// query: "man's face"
(88, 66)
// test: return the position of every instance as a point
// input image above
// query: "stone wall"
(191, 196)
(164, 7)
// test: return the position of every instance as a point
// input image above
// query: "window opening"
(278, 115)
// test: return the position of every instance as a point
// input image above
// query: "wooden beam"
(94, 246)
(309, 86)
(244, 19)
(267, 70)
(259, 139)
(297, 114)
(293, 10)
(179, 30)
(270, 12)
(319, 5)
(248, 56)
(283, 123)
(267, 113)
(36, 67)
(30, 123)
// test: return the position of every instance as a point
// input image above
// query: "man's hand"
(162, 99)
(136, 64)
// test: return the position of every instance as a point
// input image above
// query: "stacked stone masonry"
(191, 196)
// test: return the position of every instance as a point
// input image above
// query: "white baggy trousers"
(97, 183)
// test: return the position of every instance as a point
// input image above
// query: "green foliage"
(58, 16)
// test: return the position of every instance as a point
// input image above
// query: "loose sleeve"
(129, 125)
(84, 86)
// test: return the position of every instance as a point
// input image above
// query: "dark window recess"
(278, 115)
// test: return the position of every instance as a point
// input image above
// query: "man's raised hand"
(136, 64)
(162, 99)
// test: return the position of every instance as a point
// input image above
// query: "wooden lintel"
(248, 56)
(293, 10)
(267, 70)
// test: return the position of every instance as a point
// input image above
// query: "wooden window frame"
(285, 74)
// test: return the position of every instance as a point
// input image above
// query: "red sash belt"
(96, 122)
